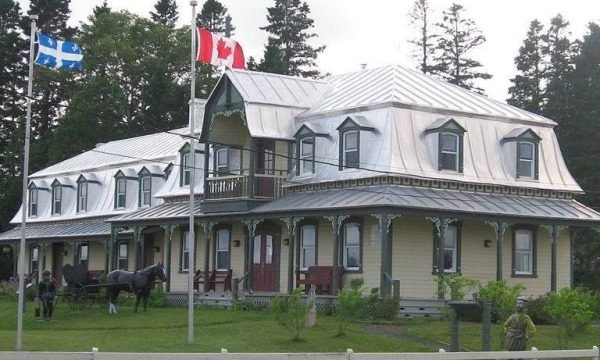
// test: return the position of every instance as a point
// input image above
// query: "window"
(222, 249)
(122, 256)
(35, 259)
(352, 247)
(351, 149)
(307, 156)
(145, 191)
(56, 199)
(82, 196)
(33, 202)
(185, 252)
(308, 246)
(82, 255)
(449, 152)
(222, 161)
(120, 193)
(524, 256)
(186, 169)
(526, 160)
(451, 249)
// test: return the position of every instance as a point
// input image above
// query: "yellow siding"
(96, 255)
(229, 130)
(281, 151)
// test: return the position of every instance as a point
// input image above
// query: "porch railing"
(394, 285)
(243, 185)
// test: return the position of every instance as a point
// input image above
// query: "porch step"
(421, 308)
(218, 300)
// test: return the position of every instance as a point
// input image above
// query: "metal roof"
(173, 210)
(52, 231)
(394, 84)
(406, 198)
(148, 147)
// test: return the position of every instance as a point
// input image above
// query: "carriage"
(83, 288)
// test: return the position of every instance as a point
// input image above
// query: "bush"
(593, 300)
(243, 304)
(7, 292)
(351, 303)
(290, 311)
(571, 311)
(158, 298)
(502, 296)
(536, 311)
(457, 285)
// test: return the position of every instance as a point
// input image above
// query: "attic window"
(82, 196)
(450, 144)
(305, 148)
(527, 149)
(33, 201)
(349, 135)
(56, 198)
(121, 186)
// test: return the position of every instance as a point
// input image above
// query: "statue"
(518, 328)
(46, 293)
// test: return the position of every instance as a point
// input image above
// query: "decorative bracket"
(441, 223)
(336, 221)
(385, 220)
(208, 226)
(292, 222)
(137, 231)
(169, 229)
(550, 228)
(251, 225)
(499, 227)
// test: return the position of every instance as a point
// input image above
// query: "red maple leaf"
(223, 51)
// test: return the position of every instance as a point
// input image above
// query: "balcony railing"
(262, 186)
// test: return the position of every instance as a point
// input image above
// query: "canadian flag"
(218, 50)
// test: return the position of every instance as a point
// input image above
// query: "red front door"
(266, 259)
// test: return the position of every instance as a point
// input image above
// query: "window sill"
(451, 172)
(183, 272)
(526, 276)
(305, 176)
(527, 180)
(353, 271)
(349, 170)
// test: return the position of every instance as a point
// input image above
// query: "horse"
(138, 282)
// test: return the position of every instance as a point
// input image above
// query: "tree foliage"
(291, 311)
(165, 12)
(458, 36)
(288, 50)
(570, 310)
(213, 17)
(424, 43)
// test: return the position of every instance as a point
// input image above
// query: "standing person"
(46, 293)
(518, 328)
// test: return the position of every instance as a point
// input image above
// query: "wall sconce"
(487, 243)
(286, 242)
(236, 243)
(157, 249)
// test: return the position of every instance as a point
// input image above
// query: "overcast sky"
(376, 32)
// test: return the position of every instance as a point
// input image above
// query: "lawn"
(165, 330)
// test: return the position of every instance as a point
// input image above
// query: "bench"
(321, 277)
(215, 277)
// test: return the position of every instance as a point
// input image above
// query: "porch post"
(441, 225)
(385, 221)
(251, 226)
(167, 246)
(139, 246)
(499, 229)
(75, 245)
(555, 233)
(336, 222)
(291, 223)
(206, 167)
(207, 226)
(250, 186)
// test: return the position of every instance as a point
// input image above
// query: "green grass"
(165, 330)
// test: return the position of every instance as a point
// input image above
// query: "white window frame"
(123, 255)
(186, 169)
(143, 191)
(33, 202)
(529, 252)
(185, 252)
(223, 248)
(531, 161)
(82, 196)
(57, 200)
(83, 253)
(307, 160)
(451, 231)
(34, 258)
(346, 247)
(222, 167)
(304, 247)
(346, 150)
(118, 193)
(455, 153)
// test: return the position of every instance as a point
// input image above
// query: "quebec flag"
(58, 54)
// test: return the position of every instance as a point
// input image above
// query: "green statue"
(518, 328)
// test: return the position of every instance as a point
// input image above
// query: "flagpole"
(192, 236)
(24, 205)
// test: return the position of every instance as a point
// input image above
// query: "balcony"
(245, 185)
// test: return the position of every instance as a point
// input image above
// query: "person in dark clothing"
(46, 293)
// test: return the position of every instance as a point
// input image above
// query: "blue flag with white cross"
(58, 54)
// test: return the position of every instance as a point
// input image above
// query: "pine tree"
(213, 17)
(251, 64)
(420, 18)
(99, 10)
(458, 35)
(559, 53)
(166, 12)
(289, 31)
(527, 90)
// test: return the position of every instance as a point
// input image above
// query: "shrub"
(243, 304)
(290, 312)
(158, 298)
(593, 300)
(536, 311)
(502, 296)
(351, 302)
(7, 292)
(457, 285)
(571, 311)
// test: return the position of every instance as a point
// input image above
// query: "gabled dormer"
(34, 189)
(349, 135)
(58, 195)
(527, 152)
(145, 178)
(305, 148)
(121, 178)
(83, 185)
(450, 143)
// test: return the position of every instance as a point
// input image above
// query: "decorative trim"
(559, 228)
(169, 229)
(385, 220)
(336, 221)
(499, 227)
(292, 222)
(440, 223)
(208, 227)
(251, 225)
(226, 113)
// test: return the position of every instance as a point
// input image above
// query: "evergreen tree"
(289, 28)
(99, 10)
(420, 18)
(213, 17)
(458, 35)
(559, 53)
(527, 89)
(252, 65)
(166, 12)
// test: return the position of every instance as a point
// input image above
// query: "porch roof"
(53, 231)
(434, 202)
(165, 211)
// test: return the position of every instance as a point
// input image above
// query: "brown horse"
(139, 282)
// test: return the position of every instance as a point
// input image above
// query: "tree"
(289, 28)
(213, 17)
(527, 90)
(166, 12)
(420, 18)
(458, 35)
(99, 10)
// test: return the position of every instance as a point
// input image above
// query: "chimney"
(363, 66)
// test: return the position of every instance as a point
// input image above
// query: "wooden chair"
(321, 277)
(220, 277)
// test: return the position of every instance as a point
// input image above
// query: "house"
(385, 174)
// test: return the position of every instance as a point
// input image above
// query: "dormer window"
(56, 198)
(349, 134)
(186, 171)
(121, 178)
(33, 201)
(145, 190)
(82, 196)
(305, 148)
(450, 144)
(526, 162)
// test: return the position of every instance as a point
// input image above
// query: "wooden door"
(148, 257)
(265, 165)
(58, 250)
(266, 261)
